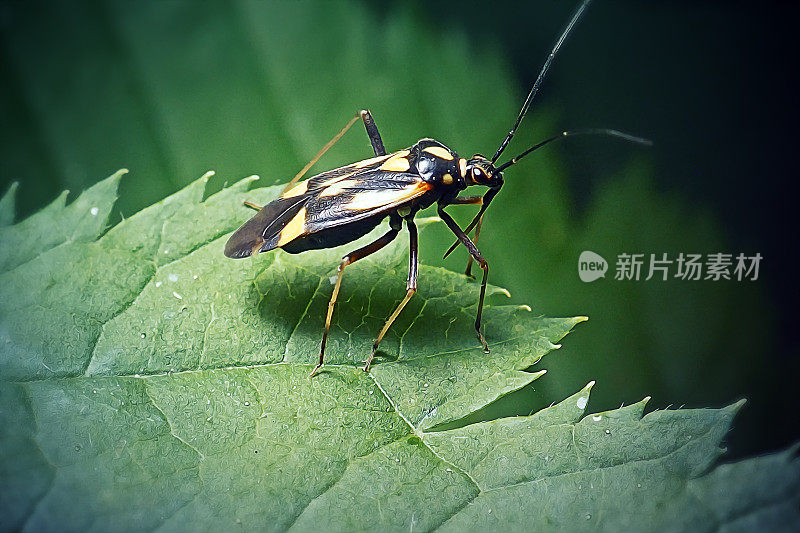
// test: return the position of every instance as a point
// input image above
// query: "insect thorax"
(439, 165)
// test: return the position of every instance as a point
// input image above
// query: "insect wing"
(334, 198)
(262, 232)
(361, 196)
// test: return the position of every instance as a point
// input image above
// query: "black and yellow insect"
(339, 206)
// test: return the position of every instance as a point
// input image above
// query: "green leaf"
(80, 221)
(150, 382)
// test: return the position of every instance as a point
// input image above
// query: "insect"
(341, 205)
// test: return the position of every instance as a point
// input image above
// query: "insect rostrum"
(341, 205)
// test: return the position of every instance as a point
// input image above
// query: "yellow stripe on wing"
(337, 188)
(295, 228)
(384, 197)
(370, 161)
(297, 190)
(398, 162)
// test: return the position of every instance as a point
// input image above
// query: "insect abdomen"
(334, 236)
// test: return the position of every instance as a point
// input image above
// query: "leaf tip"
(114, 179)
(7, 204)
(12, 190)
(583, 396)
(106, 191)
(737, 406)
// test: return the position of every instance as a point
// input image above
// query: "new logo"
(591, 266)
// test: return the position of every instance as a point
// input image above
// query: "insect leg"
(349, 259)
(324, 149)
(476, 254)
(487, 199)
(251, 205)
(467, 200)
(372, 132)
(470, 200)
(411, 286)
(477, 234)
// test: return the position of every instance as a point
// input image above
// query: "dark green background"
(171, 89)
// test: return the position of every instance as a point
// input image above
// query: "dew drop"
(208, 419)
(143, 335)
(608, 432)
(639, 485)
(247, 404)
(173, 277)
(581, 403)
(77, 447)
(158, 284)
(94, 211)
(588, 516)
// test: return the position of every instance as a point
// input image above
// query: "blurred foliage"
(172, 89)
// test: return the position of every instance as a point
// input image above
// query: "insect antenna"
(590, 131)
(575, 17)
